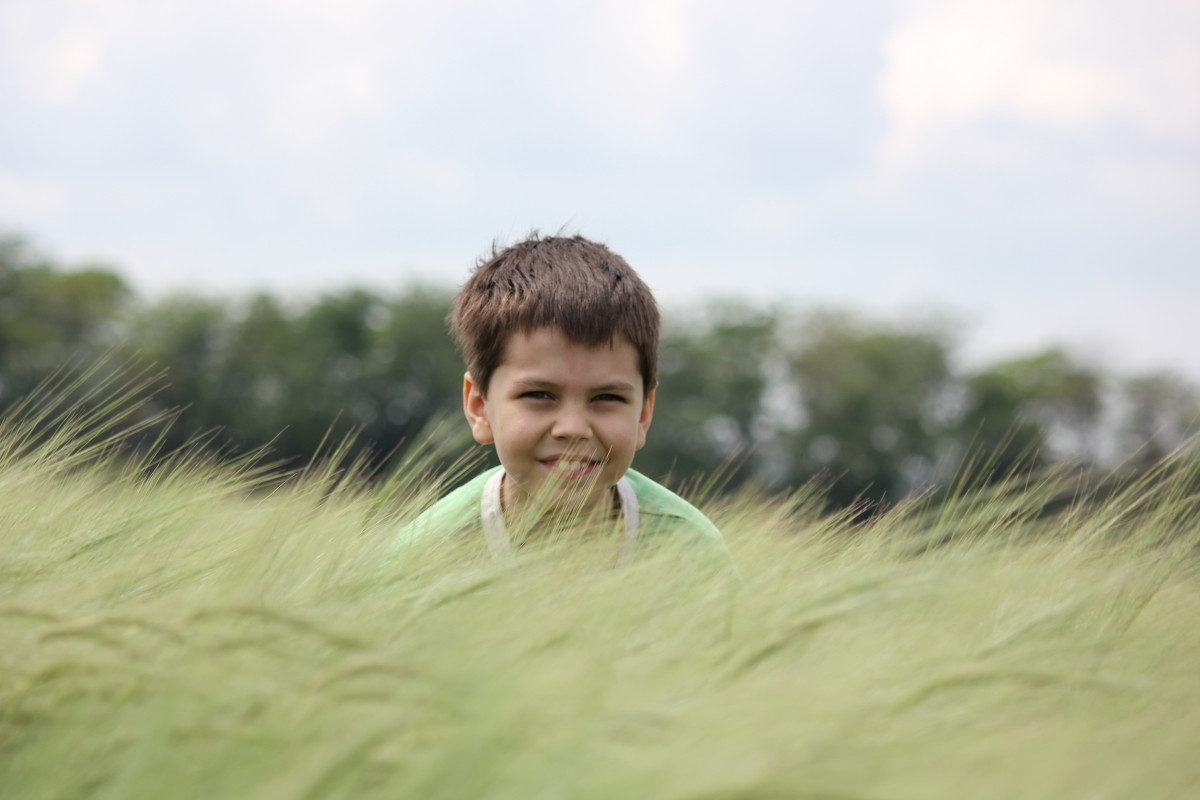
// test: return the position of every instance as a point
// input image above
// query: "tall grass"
(192, 629)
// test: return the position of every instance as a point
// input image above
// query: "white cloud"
(957, 68)
(29, 199)
(311, 110)
(1154, 189)
(1126, 326)
(336, 191)
(777, 216)
(54, 52)
(621, 69)
(1023, 144)
(73, 60)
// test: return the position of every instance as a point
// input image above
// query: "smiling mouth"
(571, 467)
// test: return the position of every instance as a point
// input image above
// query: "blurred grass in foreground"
(192, 630)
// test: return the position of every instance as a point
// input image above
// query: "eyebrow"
(535, 383)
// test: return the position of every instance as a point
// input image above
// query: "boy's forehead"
(554, 336)
(525, 346)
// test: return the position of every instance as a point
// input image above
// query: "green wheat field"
(173, 628)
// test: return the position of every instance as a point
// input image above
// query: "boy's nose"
(571, 423)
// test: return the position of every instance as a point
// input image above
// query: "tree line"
(771, 395)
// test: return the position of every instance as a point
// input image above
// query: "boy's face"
(561, 415)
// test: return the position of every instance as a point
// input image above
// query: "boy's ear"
(645, 417)
(475, 408)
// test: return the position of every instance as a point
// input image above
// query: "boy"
(560, 337)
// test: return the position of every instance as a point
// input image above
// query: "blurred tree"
(1023, 412)
(348, 362)
(875, 402)
(1160, 413)
(184, 336)
(51, 317)
(417, 372)
(768, 395)
(712, 380)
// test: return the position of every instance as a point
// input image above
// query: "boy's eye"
(610, 398)
(536, 395)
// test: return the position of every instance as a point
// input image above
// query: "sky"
(1030, 168)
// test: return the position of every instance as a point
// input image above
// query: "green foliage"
(749, 395)
(713, 376)
(871, 397)
(51, 318)
(1040, 405)
(208, 630)
(260, 372)
(1161, 411)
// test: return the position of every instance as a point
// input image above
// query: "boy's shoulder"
(661, 509)
(457, 512)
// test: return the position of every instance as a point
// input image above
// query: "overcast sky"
(1032, 166)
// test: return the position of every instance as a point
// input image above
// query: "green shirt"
(648, 510)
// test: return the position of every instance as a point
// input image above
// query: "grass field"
(201, 631)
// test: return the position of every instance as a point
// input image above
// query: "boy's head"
(560, 337)
(580, 287)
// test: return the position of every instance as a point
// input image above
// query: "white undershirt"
(496, 532)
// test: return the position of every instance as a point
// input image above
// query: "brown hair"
(578, 286)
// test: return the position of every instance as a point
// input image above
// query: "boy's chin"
(572, 500)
